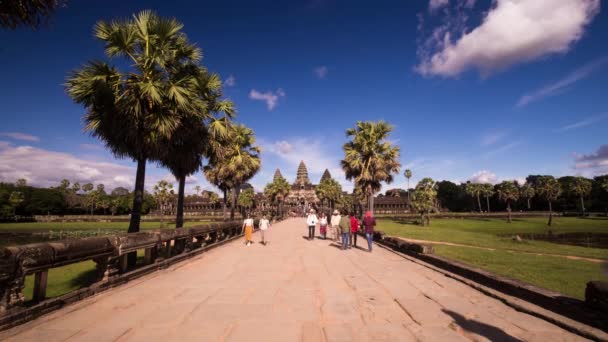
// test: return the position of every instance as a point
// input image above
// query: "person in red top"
(354, 228)
(368, 225)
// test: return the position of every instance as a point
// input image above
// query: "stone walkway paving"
(292, 290)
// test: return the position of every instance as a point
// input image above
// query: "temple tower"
(326, 175)
(302, 178)
(277, 175)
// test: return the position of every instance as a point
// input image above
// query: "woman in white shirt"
(323, 225)
(248, 227)
(264, 225)
(311, 221)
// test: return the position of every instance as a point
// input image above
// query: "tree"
(246, 198)
(277, 191)
(581, 187)
(369, 159)
(197, 189)
(87, 187)
(32, 13)
(21, 183)
(76, 187)
(487, 190)
(474, 190)
(130, 112)
(329, 190)
(548, 188)
(423, 199)
(527, 191)
(15, 199)
(163, 194)
(120, 191)
(64, 185)
(408, 175)
(508, 192)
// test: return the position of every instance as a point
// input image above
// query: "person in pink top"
(368, 225)
(354, 228)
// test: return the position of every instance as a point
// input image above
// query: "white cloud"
(320, 72)
(484, 176)
(20, 136)
(597, 161)
(271, 98)
(492, 138)
(93, 147)
(564, 83)
(230, 81)
(437, 4)
(512, 32)
(582, 123)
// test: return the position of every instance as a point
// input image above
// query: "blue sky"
(481, 90)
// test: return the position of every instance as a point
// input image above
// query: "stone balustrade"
(110, 253)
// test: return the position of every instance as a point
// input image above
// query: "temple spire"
(277, 175)
(326, 175)
(302, 177)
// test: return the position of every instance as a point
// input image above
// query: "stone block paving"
(292, 290)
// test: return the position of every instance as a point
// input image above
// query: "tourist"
(354, 228)
(335, 225)
(264, 225)
(248, 227)
(323, 225)
(345, 230)
(311, 221)
(368, 224)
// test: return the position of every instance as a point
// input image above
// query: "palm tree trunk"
(179, 220)
(479, 203)
(225, 204)
(233, 203)
(509, 211)
(422, 218)
(488, 203)
(138, 197)
(582, 206)
(550, 214)
(408, 194)
(528, 203)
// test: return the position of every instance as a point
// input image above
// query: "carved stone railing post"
(40, 282)
(11, 293)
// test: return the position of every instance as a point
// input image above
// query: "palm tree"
(474, 190)
(130, 112)
(246, 199)
(32, 13)
(197, 189)
(550, 189)
(329, 190)
(15, 199)
(581, 187)
(423, 199)
(408, 175)
(369, 159)
(508, 192)
(276, 191)
(21, 183)
(163, 194)
(527, 192)
(487, 190)
(76, 187)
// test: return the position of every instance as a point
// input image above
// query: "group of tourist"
(343, 226)
(264, 224)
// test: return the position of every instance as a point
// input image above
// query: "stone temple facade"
(302, 191)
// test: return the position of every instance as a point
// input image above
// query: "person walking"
(311, 221)
(344, 230)
(354, 228)
(248, 227)
(368, 224)
(323, 225)
(335, 225)
(264, 225)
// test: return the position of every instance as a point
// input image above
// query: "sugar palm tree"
(15, 199)
(329, 190)
(508, 192)
(487, 190)
(408, 175)
(369, 159)
(423, 199)
(197, 189)
(548, 188)
(277, 191)
(131, 111)
(32, 13)
(163, 194)
(527, 191)
(581, 187)
(474, 190)
(246, 199)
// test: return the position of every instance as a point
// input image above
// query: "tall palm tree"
(277, 190)
(581, 187)
(369, 159)
(329, 190)
(132, 111)
(550, 189)
(408, 175)
(527, 192)
(487, 190)
(32, 13)
(474, 190)
(508, 192)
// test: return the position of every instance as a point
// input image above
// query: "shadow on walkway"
(488, 331)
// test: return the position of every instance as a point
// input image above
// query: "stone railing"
(111, 255)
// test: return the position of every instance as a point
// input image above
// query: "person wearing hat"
(311, 221)
(335, 225)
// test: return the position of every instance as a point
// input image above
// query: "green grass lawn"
(484, 233)
(555, 273)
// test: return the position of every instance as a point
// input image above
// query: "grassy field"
(484, 233)
(555, 273)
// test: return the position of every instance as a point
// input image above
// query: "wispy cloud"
(597, 161)
(492, 138)
(271, 98)
(582, 123)
(91, 147)
(437, 4)
(320, 72)
(503, 149)
(20, 136)
(230, 81)
(562, 84)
